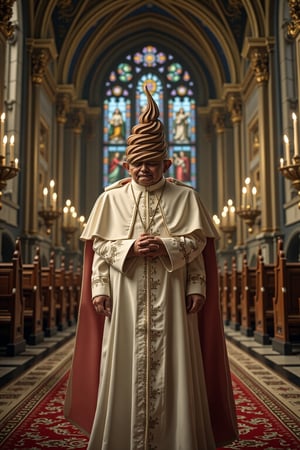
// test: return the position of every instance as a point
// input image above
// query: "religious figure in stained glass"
(172, 88)
(116, 171)
(116, 127)
(182, 166)
(181, 125)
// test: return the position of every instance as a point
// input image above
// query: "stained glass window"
(172, 88)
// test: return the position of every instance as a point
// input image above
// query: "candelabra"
(249, 215)
(6, 173)
(248, 210)
(70, 222)
(227, 224)
(49, 216)
(292, 173)
(49, 212)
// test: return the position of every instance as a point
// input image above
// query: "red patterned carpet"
(31, 407)
(43, 426)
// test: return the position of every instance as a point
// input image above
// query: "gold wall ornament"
(294, 25)
(248, 210)
(6, 13)
(7, 172)
(62, 107)
(291, 171)
(40, 58)
(49, 212)
(235, 106)
(260, 64)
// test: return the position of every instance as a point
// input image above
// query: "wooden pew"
(286, 303)
(49, 303)
(225, 300)
(60, 297)
(33, 302)
(235, 296)
(11, 304)
(265, 291)
(248, 291)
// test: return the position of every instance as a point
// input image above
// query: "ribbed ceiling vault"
(91, 36)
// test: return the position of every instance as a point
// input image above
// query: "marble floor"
(287, 366)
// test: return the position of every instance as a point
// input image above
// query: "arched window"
(172, 88)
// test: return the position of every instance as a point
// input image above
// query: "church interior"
(226, 77)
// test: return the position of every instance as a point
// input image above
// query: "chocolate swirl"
(147, 141)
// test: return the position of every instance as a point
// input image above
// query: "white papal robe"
(151, 388)
(152, 392)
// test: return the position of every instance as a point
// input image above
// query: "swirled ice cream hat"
(147, 141)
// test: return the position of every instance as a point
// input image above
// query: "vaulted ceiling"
(91, 36)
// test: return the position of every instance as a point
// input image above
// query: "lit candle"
(16, 163)
(247, 183)
(54, 198)
(2, 126)
(11, 147)
(4, 142)
(254, 191)
(244, 193)
(287, 150)
(45, 194)
(74, 217)
(51, 184)
(66, 210)
(296, 145)
(281, 162)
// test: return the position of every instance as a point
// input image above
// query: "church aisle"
(31, 405)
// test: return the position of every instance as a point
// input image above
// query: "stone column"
(6, 31)
(63, 100)
(294, 33)
(256, 50)
(78, 120)
(41, 52)
(218, 119)
(234, 104)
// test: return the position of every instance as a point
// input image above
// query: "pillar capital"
(6, 12)
(260, 64)
(77, 116)
(42, 52)
(257, 50)
(294, 24)
(235, 106)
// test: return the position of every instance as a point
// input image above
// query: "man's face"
(147, 173)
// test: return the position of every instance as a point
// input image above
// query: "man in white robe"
(147, 238)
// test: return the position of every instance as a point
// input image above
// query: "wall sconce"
(9, 165)
(290, 167)
(248, 210)
(49, 211)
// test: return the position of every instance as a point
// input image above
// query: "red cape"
(81, 397)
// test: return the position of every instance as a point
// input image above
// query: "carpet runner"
(37, 422)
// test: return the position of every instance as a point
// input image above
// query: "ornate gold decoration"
(219, 120)
(6, 173)
(62, 107)
(40, 58)
(260, 64)
(294, 25)
(49, 216)
(234, 104)
(249, 216)
(6, 12)
(292, 172)
(77, 120)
